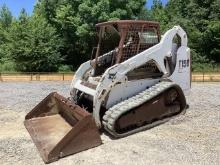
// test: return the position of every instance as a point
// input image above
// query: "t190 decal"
(183, 63)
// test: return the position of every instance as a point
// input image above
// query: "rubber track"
(111, 116)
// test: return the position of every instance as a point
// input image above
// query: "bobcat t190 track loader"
(134, 81)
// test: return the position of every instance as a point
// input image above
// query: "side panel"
(80, 73)
(125, 90)
(182, 72)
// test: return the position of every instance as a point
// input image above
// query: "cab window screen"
(148, 37)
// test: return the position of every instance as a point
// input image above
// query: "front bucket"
(59, 128)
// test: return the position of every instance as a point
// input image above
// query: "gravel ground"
(193, 138)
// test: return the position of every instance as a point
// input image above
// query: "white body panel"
(109, 91)
(84, 89)
(181, 74)
(123, 91)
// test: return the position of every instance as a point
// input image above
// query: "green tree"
(5, 24)
(75, 21)
(145, 14)
(159, 14)
(5, 17)
(200, 20)
(210, 45)
(34, 44)
(62, 32)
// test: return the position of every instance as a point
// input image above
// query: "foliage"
(75, 21)
(5, 17)
(60, 34)
(5, 23)
(7, 66)
(210, 44)
(65, 68)
(33, 44)
(201, 21)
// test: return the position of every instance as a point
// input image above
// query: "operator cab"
(121, 40)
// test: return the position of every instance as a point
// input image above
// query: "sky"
(150, 2)
(15, 6)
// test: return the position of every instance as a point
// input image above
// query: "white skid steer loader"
(134, 81)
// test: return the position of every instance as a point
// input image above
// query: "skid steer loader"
(135, 80)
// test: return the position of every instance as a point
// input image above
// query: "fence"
(196, 77)
(206, 77)
(33, 76)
